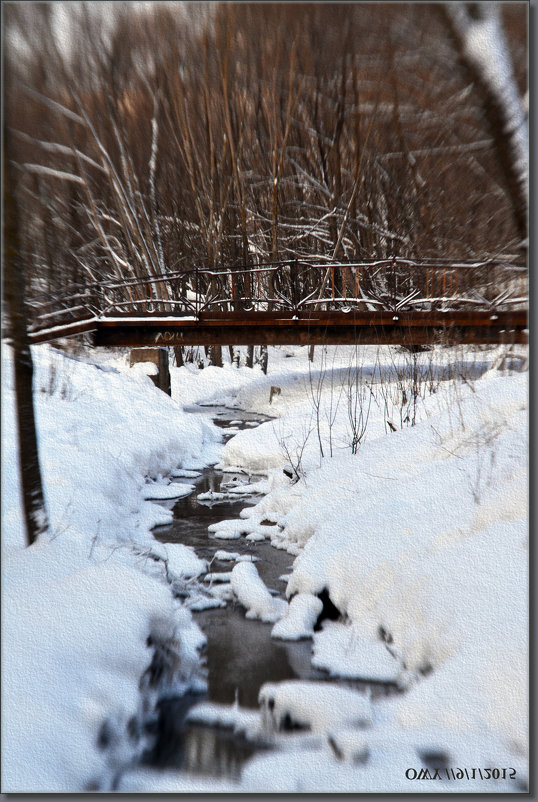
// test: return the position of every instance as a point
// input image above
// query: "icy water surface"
(241, 655)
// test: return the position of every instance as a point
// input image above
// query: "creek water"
(240, 654)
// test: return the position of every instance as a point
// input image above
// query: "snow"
(232, 529)
(167, 782)
(145, 368)
(80, 604)
(67, 673)
(238, 719)
(300, 618)
(172, 490)
(431, 586)
(234, 556)
(223, 576)
(344, 653)
(252, 593)
(179, 473)
(181, 561)
(420, 540)
(234, 488)
(317, 706)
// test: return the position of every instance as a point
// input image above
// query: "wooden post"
(159, 357)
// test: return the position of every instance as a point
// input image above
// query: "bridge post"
(159, 357)
(293, 277)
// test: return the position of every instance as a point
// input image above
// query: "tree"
(484, 50)
(35, 511)
(180, 136)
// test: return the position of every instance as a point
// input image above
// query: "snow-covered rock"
(300, 618)
(252, 593)
(316, 706)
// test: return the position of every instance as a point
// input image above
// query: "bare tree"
(35, 511)
(484, 50)
(259, 133)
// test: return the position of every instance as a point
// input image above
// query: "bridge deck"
(276, 328)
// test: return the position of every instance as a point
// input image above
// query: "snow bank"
(88, 610)
(101, 433)
(343, 652)
(421, 541)
(321, 402)
(77, 636)
(173, 782)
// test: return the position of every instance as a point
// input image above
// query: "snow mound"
(231, 717)
(300, 617)
(233, 528)
(234, 556)
(222, 576)
(252, 593)
(180, 560)
(345, 653)
(316, 706)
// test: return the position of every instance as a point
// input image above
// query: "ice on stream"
(181, 473)
(233, 528)
(153, 490)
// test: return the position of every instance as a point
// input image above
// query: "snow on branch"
(40, 168)
(56, 147)
(485, 46)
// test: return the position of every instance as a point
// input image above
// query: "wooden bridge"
(303, 301)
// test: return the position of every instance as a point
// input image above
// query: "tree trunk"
(264, 358)
(178, 353)
(215, 355)
(499, 96)
(35, 512)
(250, 356)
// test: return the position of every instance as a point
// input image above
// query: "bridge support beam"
(290, 334)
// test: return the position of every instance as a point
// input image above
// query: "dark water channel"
(240, 654)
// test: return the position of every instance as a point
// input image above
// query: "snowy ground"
(420, 538)
(79, 607)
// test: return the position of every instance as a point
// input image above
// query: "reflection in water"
(215, 752)
(196, 748)
(242, 656)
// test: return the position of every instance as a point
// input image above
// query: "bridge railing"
(294, 287)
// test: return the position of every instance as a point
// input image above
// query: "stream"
(240, 654)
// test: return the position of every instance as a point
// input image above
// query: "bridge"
(301, 301)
